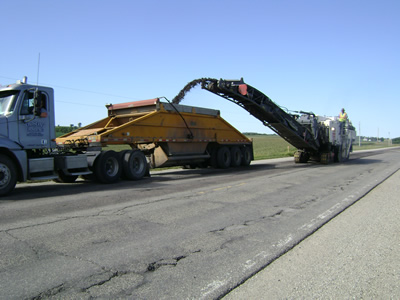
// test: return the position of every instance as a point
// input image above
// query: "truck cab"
(27, 136)
(27, 116)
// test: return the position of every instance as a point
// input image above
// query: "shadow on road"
(156, 181)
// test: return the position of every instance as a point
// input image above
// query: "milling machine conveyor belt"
(264, 109)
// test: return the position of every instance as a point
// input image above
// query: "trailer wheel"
(213, 161)
(107, 167)
(134, 164)
(8, 175)
(246, 156)
(224, 157)
(121, 155)
(236, 156)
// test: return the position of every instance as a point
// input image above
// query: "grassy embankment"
(265, 146)
(273, 146)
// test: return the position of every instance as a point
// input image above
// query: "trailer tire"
(246, 156)
(8, 175)
(236, 157)
(121, 155)
(224, 157)
(134, 165)
(107, 167)
(213, 161)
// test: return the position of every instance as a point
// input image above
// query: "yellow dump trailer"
(160, 135)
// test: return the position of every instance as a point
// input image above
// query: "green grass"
(371, 145)
(271, 146)
(264, 146)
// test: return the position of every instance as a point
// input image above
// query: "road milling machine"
(320, 138)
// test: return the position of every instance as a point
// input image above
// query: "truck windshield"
(7, 102)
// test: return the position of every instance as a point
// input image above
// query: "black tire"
(246, 156)
(213, 162)
(224, 157)
(121, 155)
(236, 157)
(134, 165)
(8, 175)
(62, 178)
(107, 167)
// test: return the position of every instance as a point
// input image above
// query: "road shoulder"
(354, 255)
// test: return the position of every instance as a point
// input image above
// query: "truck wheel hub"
(4, 174)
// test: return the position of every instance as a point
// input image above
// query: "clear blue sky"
(311, 55)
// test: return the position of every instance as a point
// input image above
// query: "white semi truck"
(159, 134)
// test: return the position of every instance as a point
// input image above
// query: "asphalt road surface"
(180, 234)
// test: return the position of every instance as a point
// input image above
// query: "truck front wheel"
(107, 167)
(8, 175)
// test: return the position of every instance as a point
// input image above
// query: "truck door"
(34, 129)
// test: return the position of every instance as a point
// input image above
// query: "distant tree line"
(256, 133)
(375, 139)
(61, 130)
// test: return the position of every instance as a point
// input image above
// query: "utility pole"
(377, 139)
(359, 134)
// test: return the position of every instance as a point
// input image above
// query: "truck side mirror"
(37, 102)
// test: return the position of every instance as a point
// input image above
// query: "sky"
(310, 55)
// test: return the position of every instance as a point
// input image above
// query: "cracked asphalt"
(194, 234)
